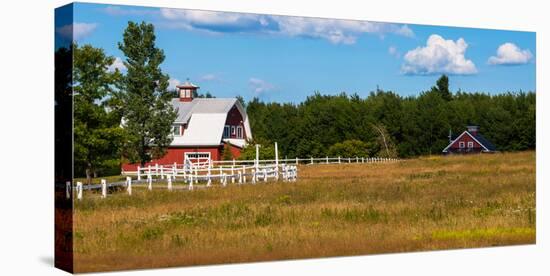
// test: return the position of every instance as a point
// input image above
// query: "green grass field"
(428, 203)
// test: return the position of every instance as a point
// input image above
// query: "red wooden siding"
(466, 138)
(234, 118)
(235, 151)
(177, 155)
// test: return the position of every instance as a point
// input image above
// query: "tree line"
(389, 125)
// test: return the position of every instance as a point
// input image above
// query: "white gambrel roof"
(203, 130)
(205, 118)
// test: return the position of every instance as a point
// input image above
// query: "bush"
(353, 148)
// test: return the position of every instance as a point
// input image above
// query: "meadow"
(427, 203)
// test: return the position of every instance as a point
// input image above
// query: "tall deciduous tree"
(97, 132)
(148, 114)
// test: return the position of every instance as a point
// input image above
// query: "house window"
(470, 145)
(233, 133)
(240, 132)
(461, 145)
(226, 133)
(176, 130)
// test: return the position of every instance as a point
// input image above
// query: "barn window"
(240, 132)
(226, 133)
(233, 131)
(470, 145)
(461, 145)
(176, 130)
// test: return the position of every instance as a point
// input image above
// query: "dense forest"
(387, 124)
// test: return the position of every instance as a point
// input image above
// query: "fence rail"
(209, 172)
(296, 161)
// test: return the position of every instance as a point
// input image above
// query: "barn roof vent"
(186, 91)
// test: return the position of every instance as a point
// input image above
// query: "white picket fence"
(165, 177)
(222, 172)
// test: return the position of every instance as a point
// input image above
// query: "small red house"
(203, 127)
(469, 141)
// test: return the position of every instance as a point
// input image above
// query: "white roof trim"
(459, 136)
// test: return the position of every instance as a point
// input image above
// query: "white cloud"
(77, 30)
(392, 50)
(172, 83)
(336, 31)
(510, 54)
(439, 56)
(117, 64)
(260, 86)
(121, 10)
(209, 77)
(206, 17)
(217, 22)
(333, 30)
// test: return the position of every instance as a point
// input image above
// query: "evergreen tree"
(442, 87)
(148, 115)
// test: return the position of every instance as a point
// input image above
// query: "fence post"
(149, 182)
(296, 160)
(253, 176)
(256, 162)
(233, 162)
(157, 170)
(149, 169)
(244, 174)
(169, 182)
(311, 162)
(265, 175)
(129, 184)
(349, 159)
(103, 188)
(362, 159)
(339, 162)
(68, 189)
(209, 178)
(190, 181)
(138, 173)
(327, 159)
(276, 161)
(196, 175)
(233, 172)
(224, 180)
(161, 171)
(221, 172)
(356, 159)
(240, 177)
(79, 190)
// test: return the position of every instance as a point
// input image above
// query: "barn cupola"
(186, 91)
(473, 130)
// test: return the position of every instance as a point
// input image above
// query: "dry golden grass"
(428, 203)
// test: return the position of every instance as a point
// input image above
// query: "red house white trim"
(469, 141)
(200, 127)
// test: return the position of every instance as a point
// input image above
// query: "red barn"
(469, 141)
(203, 127)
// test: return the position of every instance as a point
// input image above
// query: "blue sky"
(285, 59)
